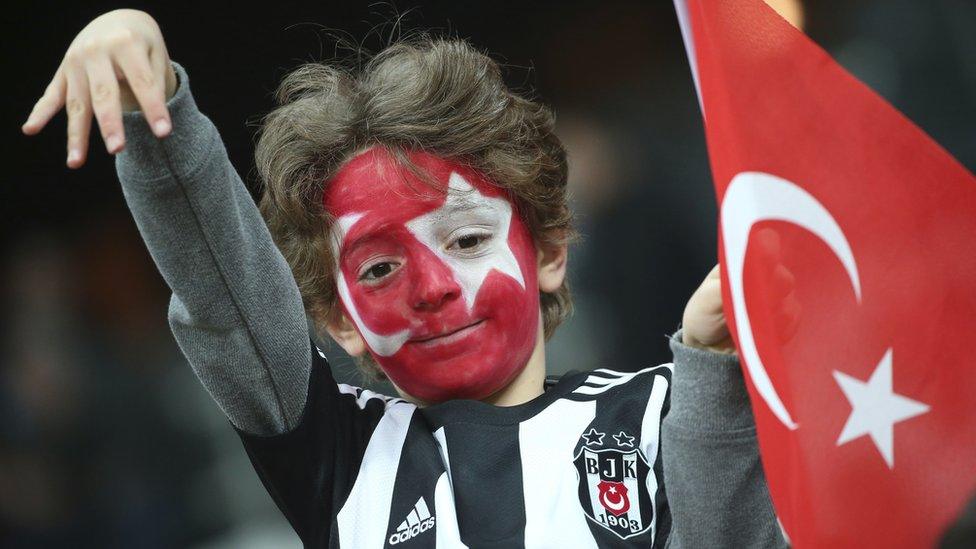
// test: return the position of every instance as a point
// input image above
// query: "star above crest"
(594, 437)
(623, 439)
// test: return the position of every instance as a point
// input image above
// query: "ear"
(552, 266)
(344, 332)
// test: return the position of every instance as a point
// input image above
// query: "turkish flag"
(866, 412)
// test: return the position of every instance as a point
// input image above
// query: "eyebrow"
(461, 206)
(350, 245)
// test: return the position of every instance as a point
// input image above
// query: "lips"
(450, 336)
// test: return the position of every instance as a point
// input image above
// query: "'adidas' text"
(417, 522)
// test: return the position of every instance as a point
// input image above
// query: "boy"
(419, 218)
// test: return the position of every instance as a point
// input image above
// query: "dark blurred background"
(107, 439)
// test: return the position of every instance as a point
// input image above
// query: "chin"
(475, 375)
(473, 367)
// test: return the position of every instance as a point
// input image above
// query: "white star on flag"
(469, 272)
(875, 408)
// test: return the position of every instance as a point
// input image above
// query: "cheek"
(505, 299)
(383, 310)
(520, 241)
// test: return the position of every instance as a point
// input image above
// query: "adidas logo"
(417, 522)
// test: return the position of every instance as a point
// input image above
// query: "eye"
(470, 242)
(378, 271)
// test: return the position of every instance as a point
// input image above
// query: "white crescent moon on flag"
(752, 197)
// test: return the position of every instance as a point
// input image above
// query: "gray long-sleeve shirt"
(237, 315)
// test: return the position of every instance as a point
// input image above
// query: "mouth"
(449, 337)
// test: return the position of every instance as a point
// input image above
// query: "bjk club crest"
(613, 489)
(613, 497)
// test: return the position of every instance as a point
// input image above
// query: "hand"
(117, 63)
(704, 323)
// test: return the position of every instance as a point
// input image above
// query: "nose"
(432, 282)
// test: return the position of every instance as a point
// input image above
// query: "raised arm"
(712, 472)
(235, 311)
(714, 478)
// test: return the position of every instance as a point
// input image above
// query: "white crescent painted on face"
(753, 197)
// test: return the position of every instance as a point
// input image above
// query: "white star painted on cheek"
(470, 272)
(875, 408)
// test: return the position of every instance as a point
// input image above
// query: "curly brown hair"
(441, 96)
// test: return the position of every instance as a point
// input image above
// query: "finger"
(788, 320)
(147, 82)
(783, 282)
(791, 307)
(48, 105)
(710, 296)
(158, 117)
(78, 105)
(769, 244)
(104, 90)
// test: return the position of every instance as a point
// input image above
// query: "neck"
(529, 383)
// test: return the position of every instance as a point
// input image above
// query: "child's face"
(441, 287)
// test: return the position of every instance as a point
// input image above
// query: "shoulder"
(348, 396)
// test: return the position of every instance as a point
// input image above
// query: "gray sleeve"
(714, 480)
(235, 310)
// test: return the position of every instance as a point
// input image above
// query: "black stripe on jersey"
(310, 470)
(612, 419)
(417, 473)
(577, 397)
(489, 452)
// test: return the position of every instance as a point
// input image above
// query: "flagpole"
(684, 21)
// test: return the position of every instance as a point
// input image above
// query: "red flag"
(867, 412)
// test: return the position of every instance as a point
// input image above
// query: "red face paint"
(441, 284)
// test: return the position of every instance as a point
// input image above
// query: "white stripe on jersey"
(365, 515)
(448, 533)
(364, 395)
(651, 437)
(441, 437)
(593, 479)
(550, 490)
(607, 380)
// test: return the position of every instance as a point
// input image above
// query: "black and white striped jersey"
(579, 466)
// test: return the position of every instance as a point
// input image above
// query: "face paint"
(440, 284)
